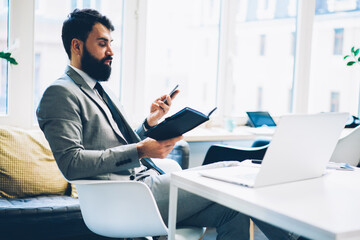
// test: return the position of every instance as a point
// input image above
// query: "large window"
(50, 56)
(4, 16)
(238, 55)
(261, 57)
(182, 42)
(333, 85)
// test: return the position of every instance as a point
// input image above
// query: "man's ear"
(76, 46)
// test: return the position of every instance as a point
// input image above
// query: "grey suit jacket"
(86, 143)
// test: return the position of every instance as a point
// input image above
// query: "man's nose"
(109, 51)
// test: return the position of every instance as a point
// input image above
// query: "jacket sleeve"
(61, 116)
(140, 131)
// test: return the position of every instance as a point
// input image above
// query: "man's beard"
(97, 69)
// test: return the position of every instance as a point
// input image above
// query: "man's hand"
(150, 148)
(158, 108)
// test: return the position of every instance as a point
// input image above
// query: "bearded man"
(91, 139)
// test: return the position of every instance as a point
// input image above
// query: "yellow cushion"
(74, 192)
(27, 165)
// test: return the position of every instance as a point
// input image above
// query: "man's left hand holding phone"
(161, 106)
(150, 147)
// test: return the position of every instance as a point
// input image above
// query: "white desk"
(202, 134)
(321, 208)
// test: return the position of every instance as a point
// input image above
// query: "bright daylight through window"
(237, 55)
(50, 56)
(4, 13)
(257, 49)
(182, 48)
(333, 85)
(260, 58)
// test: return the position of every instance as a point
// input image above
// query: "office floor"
(211, 234)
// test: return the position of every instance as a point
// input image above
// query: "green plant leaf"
(356, 52)
(358, 59)
(353, 49)
(13, 61)
(350, 63)
(346, 56)
(7, 57)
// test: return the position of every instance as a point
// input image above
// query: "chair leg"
(202, 236)
(142, 238)
(252, 230)
(160, 238)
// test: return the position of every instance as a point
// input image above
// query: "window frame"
(21, 77)
(338, 41)
(302, 63)
(4, 65)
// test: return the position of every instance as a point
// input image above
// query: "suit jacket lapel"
(119, 108)
(91, 94)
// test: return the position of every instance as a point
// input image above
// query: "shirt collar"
(89, 80)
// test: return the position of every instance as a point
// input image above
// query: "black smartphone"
(171, 94)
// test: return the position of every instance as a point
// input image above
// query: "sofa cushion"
(27, 166)
(42, 218)
(36, 206)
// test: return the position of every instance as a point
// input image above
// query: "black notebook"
(178, 124)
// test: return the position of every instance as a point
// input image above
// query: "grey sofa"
(49, 216)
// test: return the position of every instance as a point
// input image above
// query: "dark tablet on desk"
(259, 119)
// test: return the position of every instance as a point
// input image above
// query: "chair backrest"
(121, 209)
(347, 149)
(219, 152)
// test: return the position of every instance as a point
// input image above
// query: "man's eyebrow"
(104, 39)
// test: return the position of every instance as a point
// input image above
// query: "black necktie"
(122, 127)
(116, 116)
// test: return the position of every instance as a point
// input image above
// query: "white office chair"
(347, 149)
(126, 209)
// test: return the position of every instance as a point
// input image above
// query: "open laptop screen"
(259, 119)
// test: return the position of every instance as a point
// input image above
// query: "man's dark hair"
(79, 24)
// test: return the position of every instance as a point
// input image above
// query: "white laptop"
(300, 149)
